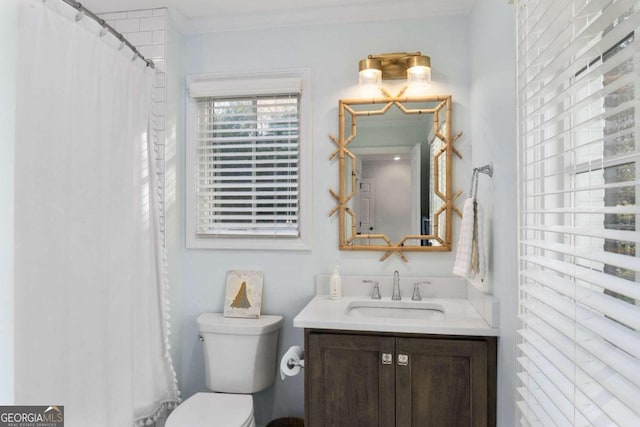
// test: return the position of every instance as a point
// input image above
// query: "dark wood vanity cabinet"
(385, 380)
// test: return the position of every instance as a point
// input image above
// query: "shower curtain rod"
(84, 11)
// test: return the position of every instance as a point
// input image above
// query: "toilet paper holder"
(292, 362)
(295, 362)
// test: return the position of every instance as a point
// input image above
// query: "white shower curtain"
(90, 291)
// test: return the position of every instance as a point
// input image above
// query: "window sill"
(249, 243)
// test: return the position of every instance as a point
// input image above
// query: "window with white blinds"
(245, 153)
(579, 264)
(247, 176)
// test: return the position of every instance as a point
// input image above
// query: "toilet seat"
(213, 409)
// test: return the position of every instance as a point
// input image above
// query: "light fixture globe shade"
(419, 70)
(370, 72)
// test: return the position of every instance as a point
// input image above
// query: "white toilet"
(240, 359)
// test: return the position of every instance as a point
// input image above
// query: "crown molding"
(308, 15)
(199, 16)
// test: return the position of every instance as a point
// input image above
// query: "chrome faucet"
(416, 290)
(376, 289)
(396, 286)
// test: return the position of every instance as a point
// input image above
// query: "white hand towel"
(462, 266)
(479, 262)
(470, 257)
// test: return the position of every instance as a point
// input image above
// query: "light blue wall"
(332, 53)
(8, 41)
(493, 130)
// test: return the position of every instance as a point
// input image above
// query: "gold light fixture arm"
(394, 65)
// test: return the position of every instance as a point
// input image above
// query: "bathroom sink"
(421, 310)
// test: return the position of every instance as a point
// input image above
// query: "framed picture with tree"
(244, 294)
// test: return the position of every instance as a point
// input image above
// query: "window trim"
(304, 241)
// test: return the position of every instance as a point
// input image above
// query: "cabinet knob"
(387, 358)
(403, 359)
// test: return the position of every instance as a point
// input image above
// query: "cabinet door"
(443, 383)
(346, 381)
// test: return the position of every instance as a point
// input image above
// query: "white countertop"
(461, 317)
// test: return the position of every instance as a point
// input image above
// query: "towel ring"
(487, 170)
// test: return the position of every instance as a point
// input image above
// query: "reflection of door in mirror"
(365, 213)
(392, 194)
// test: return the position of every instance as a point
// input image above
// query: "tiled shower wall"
(147, 31)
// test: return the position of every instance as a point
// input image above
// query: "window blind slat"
(239, 216)
(256, 184)
(249, 138)
(565, 184)
(241, 194)
(225, 212)
(282, 144)
(627, 210)
(273, 170)
(629, 236)
(575, 189)
(252, 161)
(206, 179)
(221, 226)
(626, 287)
(244, 160)
(531, 413)
(291, 205)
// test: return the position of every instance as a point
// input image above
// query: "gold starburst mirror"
(395, 156)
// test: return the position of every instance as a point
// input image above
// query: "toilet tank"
(239, 354)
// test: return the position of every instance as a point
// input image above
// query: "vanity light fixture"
(414, 67)
(370, 73)
(419, 70)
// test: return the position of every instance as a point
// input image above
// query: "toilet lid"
(213, 409)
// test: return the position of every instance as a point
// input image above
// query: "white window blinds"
(579, 272)
(247, 164)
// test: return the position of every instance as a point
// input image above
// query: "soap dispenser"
(335, 285)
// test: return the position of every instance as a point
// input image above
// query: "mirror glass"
(395, 168)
